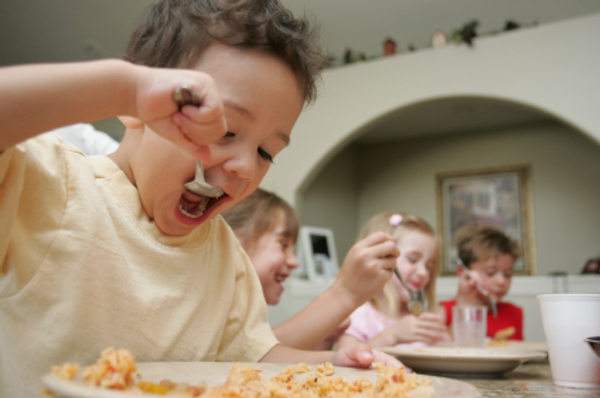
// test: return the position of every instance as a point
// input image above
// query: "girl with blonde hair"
(385, 319)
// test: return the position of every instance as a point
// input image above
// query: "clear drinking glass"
(469, 325)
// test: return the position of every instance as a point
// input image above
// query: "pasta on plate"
(116, 370)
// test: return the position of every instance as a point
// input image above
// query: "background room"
(387, 129)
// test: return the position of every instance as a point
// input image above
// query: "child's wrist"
(347, 298)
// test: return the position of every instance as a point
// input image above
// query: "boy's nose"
(243, 164)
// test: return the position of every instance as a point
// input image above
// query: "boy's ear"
(131, 122)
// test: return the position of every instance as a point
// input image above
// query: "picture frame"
(500, 197)
(316, 253)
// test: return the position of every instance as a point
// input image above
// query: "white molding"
(531, 286)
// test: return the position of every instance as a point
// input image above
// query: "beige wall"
(565, 172)
(552, 68)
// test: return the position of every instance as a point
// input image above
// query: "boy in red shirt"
(490, 256)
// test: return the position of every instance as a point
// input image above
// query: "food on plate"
(115, 370)
(501, 337)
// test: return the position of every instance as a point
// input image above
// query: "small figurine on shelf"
(467, 33)
(592, 266)
(411, 47)
(511, 25)
(348, 56)
(439, 39)
(330, 60)
(389, 47)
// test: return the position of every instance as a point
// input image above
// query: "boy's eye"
(229, 134)
(265, 155)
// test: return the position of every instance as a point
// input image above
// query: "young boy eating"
(114, 251)
(490, 255)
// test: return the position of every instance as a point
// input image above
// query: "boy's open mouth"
(194, 206)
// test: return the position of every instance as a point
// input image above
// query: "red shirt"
(508, 315)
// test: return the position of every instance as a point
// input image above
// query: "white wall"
(565, 174)
(553, 68)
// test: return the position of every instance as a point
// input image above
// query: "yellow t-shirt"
(84, 268)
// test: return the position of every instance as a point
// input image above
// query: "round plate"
(214, 373)
(456, 360)
(539, 346)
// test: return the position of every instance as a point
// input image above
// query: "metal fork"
(483, 291)
(417, 302)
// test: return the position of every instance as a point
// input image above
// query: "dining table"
(530, 380)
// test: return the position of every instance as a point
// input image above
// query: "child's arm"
(428, 328)
(367, 267)
(38, 98)
(358, 355)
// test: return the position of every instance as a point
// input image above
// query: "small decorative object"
(592, 266)
(511, 25)
(395, 220)
(439, 39)
(467, 33)
(316, 253)
(330, 60)
(411, 47)
(348, 56)
(389, 47)
(500, 197)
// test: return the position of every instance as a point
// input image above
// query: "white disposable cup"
(469, 325)
(568, 319)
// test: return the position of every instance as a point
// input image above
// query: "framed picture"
(316, 253)
(500, 197)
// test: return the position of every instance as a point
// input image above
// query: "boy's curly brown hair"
(478, 242)
(174, 33)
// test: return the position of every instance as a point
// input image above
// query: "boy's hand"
(367, 267)
(468, 293)
(361, 355)
(194, 127)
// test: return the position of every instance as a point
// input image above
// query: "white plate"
(539, 346)
(449, 359)
(214, 373)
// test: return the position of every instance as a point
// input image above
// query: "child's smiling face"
(273, 257)
(418, 255)
(262, 100)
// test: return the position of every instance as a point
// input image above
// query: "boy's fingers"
(363, 354)
(199, 152)
(386, 359)
(200, 134)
